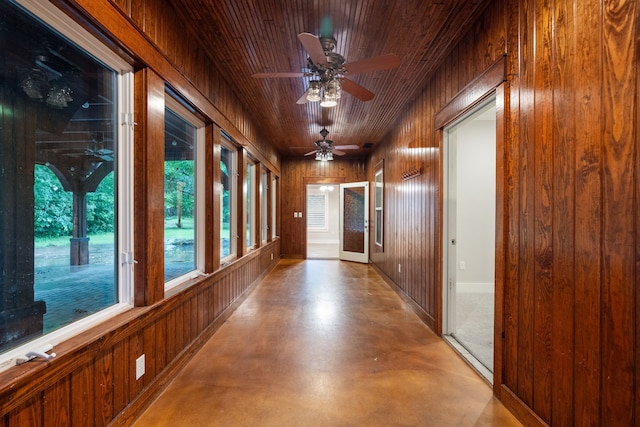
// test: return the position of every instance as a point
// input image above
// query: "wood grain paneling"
(149, 182)
(569, 248)
(412, 207)
(189, 70)
(570, 191)
(299, 173)
(105, 390)
(92, 380)
(248, 37)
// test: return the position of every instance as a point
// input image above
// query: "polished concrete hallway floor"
(325, 343)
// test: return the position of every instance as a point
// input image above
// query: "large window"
(250, 204)
(182, 135)
(378, 203)
(317, 212)
(264, 204)
(228, 178)
(274, 206)
(65, 157)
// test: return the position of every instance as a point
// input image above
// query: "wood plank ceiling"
(244, 37)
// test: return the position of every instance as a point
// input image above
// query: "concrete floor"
(325, 343)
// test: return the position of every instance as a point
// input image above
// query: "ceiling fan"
(327, 70)
(325, 149)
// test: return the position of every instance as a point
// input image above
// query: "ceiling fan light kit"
(325, 149)
(313, 94)
(326, 71)
(324, 155)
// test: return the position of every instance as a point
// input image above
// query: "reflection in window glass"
(264, 197)
(274, 198)
(57, 152)
(228, 170)
(378, 206)
(179, 196)
(250, 192)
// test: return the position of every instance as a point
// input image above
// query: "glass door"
(469, 235)
(354, 222)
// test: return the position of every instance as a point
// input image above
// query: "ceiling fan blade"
(338, 152)
(356, 90)
(276, 75)
(313, 47)
(302, 99)
(346, 147)
(384, 62)
(310, 153)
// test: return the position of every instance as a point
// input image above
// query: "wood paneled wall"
(297, 173)
(570, 348)
(569, 354)
(412, 211)
(91, 381)
(189, 70)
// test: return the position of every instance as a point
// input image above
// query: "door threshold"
(482, 370)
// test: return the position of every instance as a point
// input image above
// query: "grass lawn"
(171, 231)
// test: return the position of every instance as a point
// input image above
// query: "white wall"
(332, 235)
(475, 219)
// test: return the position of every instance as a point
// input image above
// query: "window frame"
(228, 143)
(55, 19)
(274, 206)
(264, 205)
(378, 205)
(178, 108)
(325, 212)
(250, 205)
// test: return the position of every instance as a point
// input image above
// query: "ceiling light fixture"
(324, 155)
(313, 94)
(327, 92)
(46, 84)
(325, 149)
(59, 96)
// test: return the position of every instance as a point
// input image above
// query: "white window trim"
(228, 144)
(274, 210)
(250, 197)
(66, 26)
(264, 205)
(377, 208)
(63, 24)
(199, 225)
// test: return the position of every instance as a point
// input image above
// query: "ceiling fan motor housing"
(328, 43)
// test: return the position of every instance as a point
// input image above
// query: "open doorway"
(469, 236)
(323, 221)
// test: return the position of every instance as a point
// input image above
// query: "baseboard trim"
(137, 406)
(423, 315)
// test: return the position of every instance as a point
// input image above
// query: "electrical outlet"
(139, 367)
(463, 265)
(399, 268)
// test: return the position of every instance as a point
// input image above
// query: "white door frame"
(355, 256)
(450, 249)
